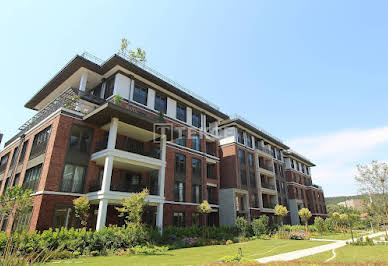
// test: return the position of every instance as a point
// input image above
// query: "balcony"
(266, 167)
(265, 150)
(267, 205)
(268, 186)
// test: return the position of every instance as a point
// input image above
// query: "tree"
(344, 220)
(242, 225)
(320, 224)
(133, 207)
(260, 226)
(204, 209)
(138, 55)
(16, 202)
(336, 219)
(372, 181)
(281, 211)
(82, 207)
(304, 215)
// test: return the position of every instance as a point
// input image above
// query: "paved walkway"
(309, 251)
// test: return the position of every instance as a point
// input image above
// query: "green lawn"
(200, 255)
(355, 254)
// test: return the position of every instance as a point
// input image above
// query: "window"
(243, 176)
(281, 170)
(179, 219)
(161, 103)
(3, 162)
(252, 179)
(14, 155)
(181, 112)
(73, 178)
(294, 177)
(211, 171)
(307, 170)
(196, 167)
(64, 216)
(6, 185)
(4, 225)
(180, 164)
(249, 141)
(196, 219)
(240, 136)
(195, 142)
(212, 195)
(297, 166)
(179, 191)
(196, 194)
(140, 93)
(109, 86)
(80, 138)
(23, 222)
(181, 140)
(23, 152)
(250, 160)
(296, 193)
(196, 119)
(40, 142)
(241, 157)
(16, 180)
(292, 163)
(32, 178)
(97, 91)
(273, 152)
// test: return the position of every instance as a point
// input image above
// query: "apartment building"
(106, 129)
(302, 193)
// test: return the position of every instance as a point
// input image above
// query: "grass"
(202, 255)
(339, 236)
(353, 254)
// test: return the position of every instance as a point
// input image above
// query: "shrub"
(231, 258)
(228, 242)
(148, 250)
(298, 236)
(320, 224)
(360, 242)
(242, 225)
(260, 226)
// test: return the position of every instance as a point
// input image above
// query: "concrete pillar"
(83, 81)
(162, 170)
(132, 88)
(159, 216)
(151, 99)
(101, 216)
(113, 133)
(203, 122)
(189, 116)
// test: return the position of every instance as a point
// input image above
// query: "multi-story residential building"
(106, 129)
(302, 193)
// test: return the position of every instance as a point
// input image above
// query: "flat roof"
(116, 60)
(298, 156)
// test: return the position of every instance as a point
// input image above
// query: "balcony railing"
(264, 149)
(266, 167)
(269, 205)
(132, 146)
(69, 99)
(268, 186)
(126, 187)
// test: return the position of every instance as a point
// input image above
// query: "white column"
(159, 217)
(151, 99)
(203, 122)
(171, 108)
(83, 81)
(101, 216)
(258, 181)
(189, 116)
(113, 133)
(162, 170)
(132, 88)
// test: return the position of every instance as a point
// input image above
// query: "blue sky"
(313, 73)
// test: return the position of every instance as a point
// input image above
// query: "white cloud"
(337, 154)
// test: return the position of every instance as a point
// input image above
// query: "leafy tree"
(242, 225)
(304, 215)
(204, 209)
(336, 219)
(133, 207)
(281, 211)
(138, 55)
(320, 224)
(344, 220)
(82, 207)
(260, 226)
(372, 181)
(16, 201)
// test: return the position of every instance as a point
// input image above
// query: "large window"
(249, 141)
(196, 219)
(140, 93)
(196, 167)
(250, 160)
(16, 180)
(6, 185)
(109, 86)
(241, 157)
(196, 119)
(240, 136)
(181, 140)
(180, 164)
(179, 219)
(3, 162)
(23, 152)
(243, 176)
(22, 222)
(64, 216)
(195, 142)
(196, 194)
(73, 178)
(32, 178)
(80, 138)
(181, 112)
(14, 155)
(40, 142)
(161, 103)
(179, 191)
